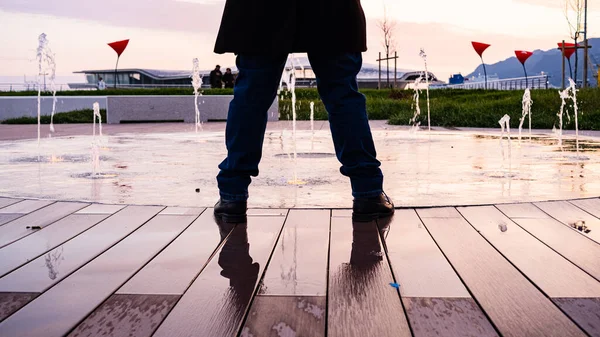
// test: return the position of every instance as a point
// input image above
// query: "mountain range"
(547, 61)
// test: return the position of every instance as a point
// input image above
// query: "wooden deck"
(78, 269)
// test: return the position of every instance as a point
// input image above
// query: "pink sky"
(168, 34)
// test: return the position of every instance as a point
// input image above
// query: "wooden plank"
(231, 277)
(513, 304)
(6, 218)
(522, 211)
(124, 315)
(277, 316)
(8, 201)
(361, 300)
(100, 209)
(552, 273)
(25, 206)
(418, 264)
(585, 311)
(40, 242)
(591, 206)
(62, 307)
(182, 211)
(173, 270)
(266, 212)
(17, 229)
(440, 212)
(41, 273)
(11, 302)
(460, 317)
(567, 242)
(299, 263)
(569, 214)
(341, 213)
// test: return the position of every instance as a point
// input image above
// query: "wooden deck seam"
(24, 214)
(262, 277)
(49, 224)
(487, 316)
(137, 271)
(566, 224)
(212, 255)
(387, 258)
(547, 245)
(86, 263)
(523, 273)
(14, 203)
(62, 243)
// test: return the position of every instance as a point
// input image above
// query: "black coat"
(288, 26)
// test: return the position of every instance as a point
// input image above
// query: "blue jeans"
(255, 89)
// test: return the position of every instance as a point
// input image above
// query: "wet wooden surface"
(570, 214)
(8, 201)
(43, 272)
(452, 317)
(515, 306)
(116, 270)
(276, 316)
(418, 264)
(174, 269)
(359, 284)
(299, 263)
(584, 311)
(40, 242)
(62, 307)
(569, 243)
(217, 301)
(533, 258)
(6, 218)
(41, 218)
(25, 206)
(124, 315)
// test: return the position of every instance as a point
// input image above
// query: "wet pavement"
(164, 164)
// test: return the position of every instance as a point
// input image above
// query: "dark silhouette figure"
(216, 78)
(228, 78)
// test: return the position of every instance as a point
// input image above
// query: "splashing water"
(564, 95)
(527, 103)
(505, 125)
(573, 89)
(415, 123)
(95, 151)
(46, 62)
(97, 115)
(424, 57)
(197, 84)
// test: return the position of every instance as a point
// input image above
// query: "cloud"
(201, 16)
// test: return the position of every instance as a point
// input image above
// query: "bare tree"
(574, 13)
(388, 29)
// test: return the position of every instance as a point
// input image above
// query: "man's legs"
(336, 80)
(254, 92)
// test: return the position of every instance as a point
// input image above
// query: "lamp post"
(119, 48)
(479, 49)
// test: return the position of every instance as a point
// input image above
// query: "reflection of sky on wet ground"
(446, 168)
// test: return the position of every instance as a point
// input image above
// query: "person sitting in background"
(228, 78)
(101, 84)
(216, 78)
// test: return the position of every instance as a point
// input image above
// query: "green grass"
(78, 116)
(449, 108)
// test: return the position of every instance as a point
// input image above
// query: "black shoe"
(368, 209)
(231, 211)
